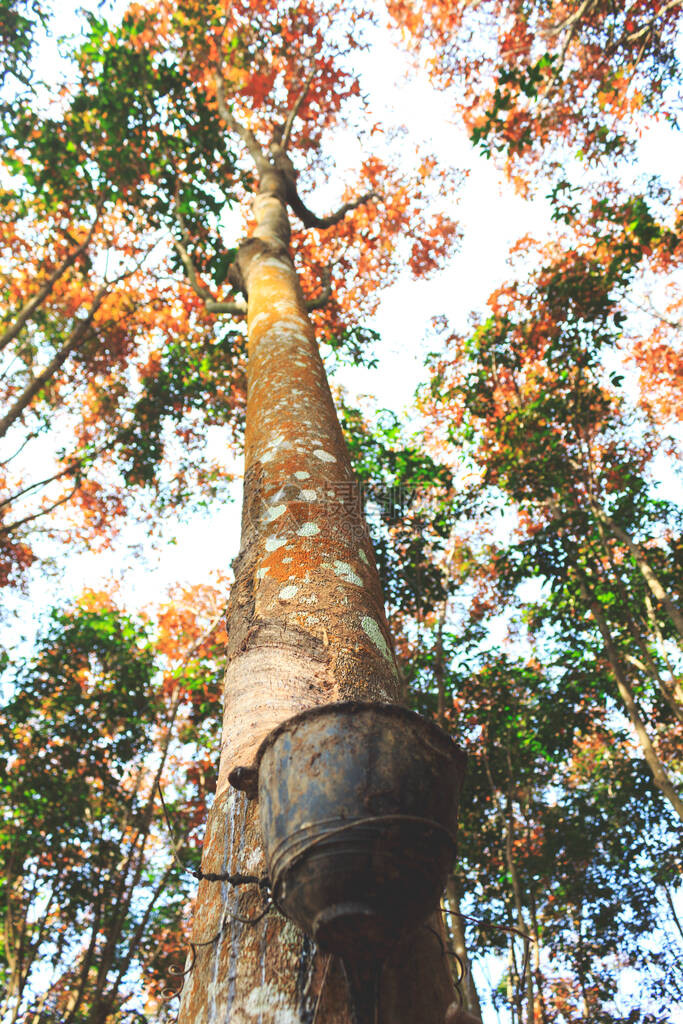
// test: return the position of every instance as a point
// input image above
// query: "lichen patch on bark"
(344, 570)
(372, 629)
(273, 543)
(308, 530)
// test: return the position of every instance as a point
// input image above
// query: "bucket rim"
(385, 708)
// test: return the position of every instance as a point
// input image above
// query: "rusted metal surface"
(358, 808)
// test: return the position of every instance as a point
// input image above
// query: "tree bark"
(527, 978)
(306, 626)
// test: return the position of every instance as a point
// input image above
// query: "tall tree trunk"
(647, 572)
(538, 973)
(673, 683)
(505, 817)
(580, 965)
(439, 668)
(527, 977)
(534, 931)
(637, 627)
(659, 773)
(306, 626)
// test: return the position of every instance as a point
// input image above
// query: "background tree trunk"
(660, 775)
(470, 996)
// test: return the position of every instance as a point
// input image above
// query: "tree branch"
(646, 570)
(5, 462)
(138, 935)
(245, 134)
(310, 220)
(238, 308)
(26, 312)
(190, 269)
(650, 310)
(72, 467)
(323, 298)
(672, 907)
(76, 339)
(659, 773)
(11, 527)
(181, 247)
(648, 28)
(291, 116)
(572, 19)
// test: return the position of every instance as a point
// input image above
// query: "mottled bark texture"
(306, 626)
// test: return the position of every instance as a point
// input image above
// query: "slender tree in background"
(561, 445)
(541, 420)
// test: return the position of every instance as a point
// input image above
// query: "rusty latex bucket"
(358, 810)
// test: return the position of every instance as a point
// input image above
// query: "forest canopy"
(525, 510)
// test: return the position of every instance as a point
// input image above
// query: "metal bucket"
(358, 810)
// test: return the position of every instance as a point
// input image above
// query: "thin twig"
(487, 924)
(321, 300)
(245, 134)
(71, 468)
(26, 312)
(287, 131)
(10, 527)
(211, 304)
